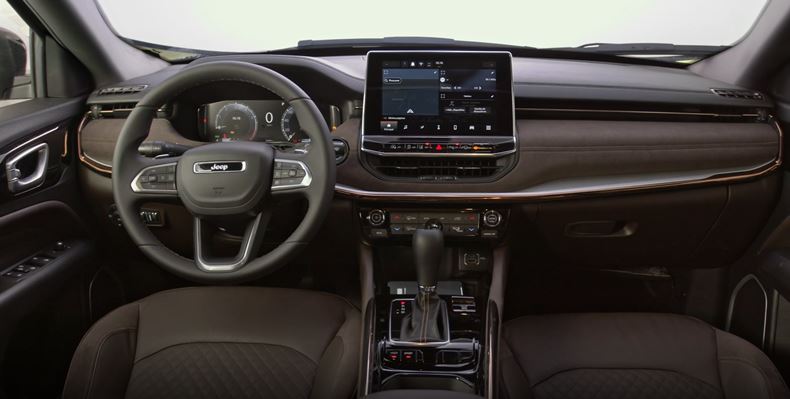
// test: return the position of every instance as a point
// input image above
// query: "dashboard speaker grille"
(438, 168)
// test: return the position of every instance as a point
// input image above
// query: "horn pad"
(231, 178)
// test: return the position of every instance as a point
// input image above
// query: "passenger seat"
(631, 355)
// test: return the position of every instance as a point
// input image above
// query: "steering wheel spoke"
(250, 244)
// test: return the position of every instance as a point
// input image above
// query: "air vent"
(121, 110)
(122, 90)
(438, 168)
(738, 93)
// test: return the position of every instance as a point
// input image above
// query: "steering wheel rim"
(319, 161)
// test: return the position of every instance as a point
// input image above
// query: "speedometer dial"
(235, 121)
(289, 125)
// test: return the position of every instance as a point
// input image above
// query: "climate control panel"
(385, 222)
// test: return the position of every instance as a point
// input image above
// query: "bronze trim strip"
(728, 177)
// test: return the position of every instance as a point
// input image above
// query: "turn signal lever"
(157, 148)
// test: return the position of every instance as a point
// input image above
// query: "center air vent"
(438, 168)
(738, 93)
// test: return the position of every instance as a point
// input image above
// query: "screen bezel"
(505, 111)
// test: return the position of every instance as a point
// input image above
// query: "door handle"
(18, 169)
(601, 229)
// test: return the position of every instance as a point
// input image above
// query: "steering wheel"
(233, 182)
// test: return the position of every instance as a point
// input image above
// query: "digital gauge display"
(270, 121)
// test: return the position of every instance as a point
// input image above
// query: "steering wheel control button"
(492, 218)
(289, 174)
(161, 178)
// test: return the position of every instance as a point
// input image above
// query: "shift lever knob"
(428, 250)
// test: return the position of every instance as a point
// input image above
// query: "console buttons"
(379, 233)
(392, 356)
(463, 304)
(411, 357)
(411, 228)
(492, 218)
(433, 225)
(489, 234)
(455, 229)
(376, 217)
(396, 229)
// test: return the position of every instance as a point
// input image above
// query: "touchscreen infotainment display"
(438, 94)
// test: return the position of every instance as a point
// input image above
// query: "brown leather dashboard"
(556, 158)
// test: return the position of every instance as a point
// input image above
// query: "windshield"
(258, 26)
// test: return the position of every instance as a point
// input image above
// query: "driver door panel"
(48, 250)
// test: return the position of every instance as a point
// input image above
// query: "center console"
(421, 107)
(434, 117)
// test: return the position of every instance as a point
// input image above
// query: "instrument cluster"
(271, 121)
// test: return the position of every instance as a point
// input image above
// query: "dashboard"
(573, 143)
(422, 125)
(271, 121)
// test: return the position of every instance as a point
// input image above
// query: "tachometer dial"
(290, 126)
(235, 121)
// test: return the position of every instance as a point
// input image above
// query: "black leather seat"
(221, 342)
(631, 356)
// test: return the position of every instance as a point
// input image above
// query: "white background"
(256, 25)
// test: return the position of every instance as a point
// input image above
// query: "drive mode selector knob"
(492, 218)
(376, 217)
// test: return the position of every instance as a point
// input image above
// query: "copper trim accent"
(91, 163)
(65, 152)
(728, 177)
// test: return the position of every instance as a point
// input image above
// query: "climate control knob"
(492, 218)
(376, 217)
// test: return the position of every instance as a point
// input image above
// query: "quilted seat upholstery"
(221, 342)
(631, 356)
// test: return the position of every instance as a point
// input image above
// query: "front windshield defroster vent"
(738, 93)
(122, 90)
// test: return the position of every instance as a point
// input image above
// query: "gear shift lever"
(428, 317)
(428, 250)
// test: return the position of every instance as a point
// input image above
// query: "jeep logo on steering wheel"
(219, 166)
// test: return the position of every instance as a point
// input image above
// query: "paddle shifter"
(428, 319)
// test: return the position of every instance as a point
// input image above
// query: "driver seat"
(221, 342)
